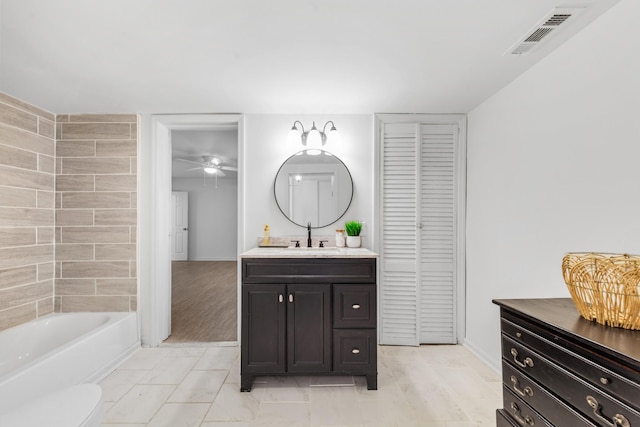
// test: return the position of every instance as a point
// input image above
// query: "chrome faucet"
(309, 234)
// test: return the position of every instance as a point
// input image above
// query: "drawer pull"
(280, 298)
(518, 415)
(618, 420)
(356, 306)
(519, 334)
(527, 361)
(526, 391)
(604, 380)
(355, 351)
(290, 297)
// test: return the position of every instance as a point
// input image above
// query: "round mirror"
(314, 188)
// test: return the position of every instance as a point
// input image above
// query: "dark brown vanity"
(559, 369)
(308, 312)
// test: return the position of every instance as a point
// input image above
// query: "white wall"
(213, 217)
(553, 168)
(266, 148)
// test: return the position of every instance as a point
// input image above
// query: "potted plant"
(353, 229)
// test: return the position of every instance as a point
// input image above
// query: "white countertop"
(308, 253)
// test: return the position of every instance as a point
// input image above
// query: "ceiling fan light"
(210, 169)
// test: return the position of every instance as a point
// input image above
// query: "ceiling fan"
(211, 165)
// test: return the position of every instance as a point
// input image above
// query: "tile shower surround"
(67, 212)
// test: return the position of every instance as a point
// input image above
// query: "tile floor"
(186, 386)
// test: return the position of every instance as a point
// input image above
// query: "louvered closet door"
(437, 231)
(418, 242)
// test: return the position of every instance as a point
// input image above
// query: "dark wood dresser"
(559, 369)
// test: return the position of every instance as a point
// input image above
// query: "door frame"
(154, 219)
(461, 201)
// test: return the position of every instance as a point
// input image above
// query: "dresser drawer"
(354, 306)
(522, 413)
(601, 378)
(554, 410)
(588, 400)
(504, 420)
(354, 350)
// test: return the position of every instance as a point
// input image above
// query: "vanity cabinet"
(312, 316)
(559, 369)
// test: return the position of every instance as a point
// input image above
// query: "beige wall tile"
(25, 140)
(46, 199)
(115, 252)
(116, 148)
(66, 287)
(94, 303)
(75, 148)
(46, 164)
(46, 235)
(15, 157)
(74, 217)
(19, 118)
(94, 235)
(24, 217)
(17, 315)
(133, 303)
(23, 178)
(133, 236)
(45, 271)
(95, 165)
(75, 182)
(25, 255)
(116, 286)
(17, 276)
(134, 200)
(116, 183)
(17, 197)
(133, 269)
(17, 236)
(115, 216)
(95, 130)
(134, 165)
(94, 269)
(74, 252)
(62, 118)
(103, 199)
(45, 306)
(25, 294)
(46, 128)
(103, 118)
(15, 102)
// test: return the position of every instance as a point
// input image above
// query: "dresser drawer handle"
(526, 391)
(355, 351)
(527, 360)
(604, 380)
(618, 420)
(518, 415)
(356, 306)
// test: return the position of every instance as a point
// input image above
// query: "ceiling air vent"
(546, 27)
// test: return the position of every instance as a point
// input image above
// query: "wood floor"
(203, 301)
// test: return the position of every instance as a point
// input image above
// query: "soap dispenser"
(265, 236)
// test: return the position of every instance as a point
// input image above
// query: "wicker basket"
(604, 287)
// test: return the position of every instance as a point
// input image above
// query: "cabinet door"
(308, 328)
(263, 328)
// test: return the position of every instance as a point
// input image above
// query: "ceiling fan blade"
(220, 173)
(193, 169)
(228, 168)
(190, 161)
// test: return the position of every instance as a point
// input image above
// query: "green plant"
(353, 228)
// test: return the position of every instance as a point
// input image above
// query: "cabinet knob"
(604, 380)
(519, 334)
(355, 351)
(290, 297)
(356, 306)
(280, 298)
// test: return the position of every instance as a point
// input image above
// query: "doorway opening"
(204, 238)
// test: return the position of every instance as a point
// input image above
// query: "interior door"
(180, 222)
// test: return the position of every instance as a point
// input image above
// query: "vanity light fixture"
(313, 138)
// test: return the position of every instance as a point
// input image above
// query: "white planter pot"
(354, 241)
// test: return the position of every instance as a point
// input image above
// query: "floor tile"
(139, 404)
(199, 386)
(233, 405)
(179, 415)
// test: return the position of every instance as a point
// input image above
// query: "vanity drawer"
(354, 350)
(585, 398)
(354, 306)
(554, 410)
(601, 378)
(504, 420)
(522, 413)
(308, 270)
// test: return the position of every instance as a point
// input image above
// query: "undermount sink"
(309, 251)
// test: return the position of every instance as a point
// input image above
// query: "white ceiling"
(268, 56)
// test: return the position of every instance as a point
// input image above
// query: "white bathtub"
(61, 350)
